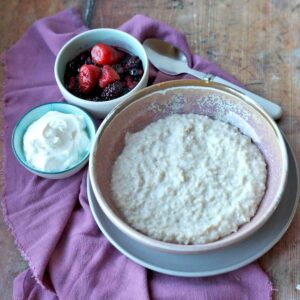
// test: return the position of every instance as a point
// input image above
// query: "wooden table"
(257, 41)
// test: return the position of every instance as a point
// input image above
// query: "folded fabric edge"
(3, 200)
(76, 19)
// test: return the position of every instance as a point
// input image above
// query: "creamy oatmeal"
(188, 179)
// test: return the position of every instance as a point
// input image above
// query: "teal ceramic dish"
(33, 115)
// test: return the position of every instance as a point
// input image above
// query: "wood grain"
(256, 41)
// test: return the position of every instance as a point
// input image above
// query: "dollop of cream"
(56, 141)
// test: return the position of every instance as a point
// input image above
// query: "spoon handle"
(198, 74)
(273, 109)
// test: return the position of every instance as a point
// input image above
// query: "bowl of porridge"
(188, 166)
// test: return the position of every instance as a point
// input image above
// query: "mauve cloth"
(68, 256)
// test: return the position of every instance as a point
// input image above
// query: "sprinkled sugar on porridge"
(188, 179)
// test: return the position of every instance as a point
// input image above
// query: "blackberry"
(89, 61)
(83, 56)
(94, 95)
(112, 91)
(133, 63)
(119, 68)
(73, 66)
(73, 84)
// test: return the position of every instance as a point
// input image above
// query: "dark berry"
(134, 84)
(129, 82)
(83, 56)
(125, 91)
(134, 72)
(112, 91)
(89, 61)
(94, 99)
(72, 84)
(73, 66)
(125, 72)
(133, 63)
(119, 68)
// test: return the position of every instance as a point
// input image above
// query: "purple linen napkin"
(68, 256)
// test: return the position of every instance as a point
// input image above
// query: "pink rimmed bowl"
(188, 96)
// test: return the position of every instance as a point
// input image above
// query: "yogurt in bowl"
(53, 140)
(56, 141)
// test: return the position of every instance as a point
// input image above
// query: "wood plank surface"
(257, 41)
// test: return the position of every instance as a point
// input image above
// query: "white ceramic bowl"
(86, 40)
(188, 96)
(34, 114)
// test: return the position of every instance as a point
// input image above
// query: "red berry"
(129, 83)
(72, 84)
(134, 84)
(103, 54)
(88, 77)
(109, 75)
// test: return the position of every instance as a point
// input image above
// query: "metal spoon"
(170, 60)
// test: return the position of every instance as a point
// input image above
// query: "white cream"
(56, 141)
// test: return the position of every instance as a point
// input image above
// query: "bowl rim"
(100, 103)
(36, 171)
(173, 247)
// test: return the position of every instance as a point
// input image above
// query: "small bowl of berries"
(100, 68)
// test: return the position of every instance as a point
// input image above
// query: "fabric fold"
(69, 258)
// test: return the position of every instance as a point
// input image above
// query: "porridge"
(188, 179)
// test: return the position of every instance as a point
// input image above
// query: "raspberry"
(112, 91)
(129, 82)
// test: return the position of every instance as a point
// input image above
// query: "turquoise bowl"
(33, 115)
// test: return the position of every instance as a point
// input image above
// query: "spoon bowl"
(167, 58)
(170, 60)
